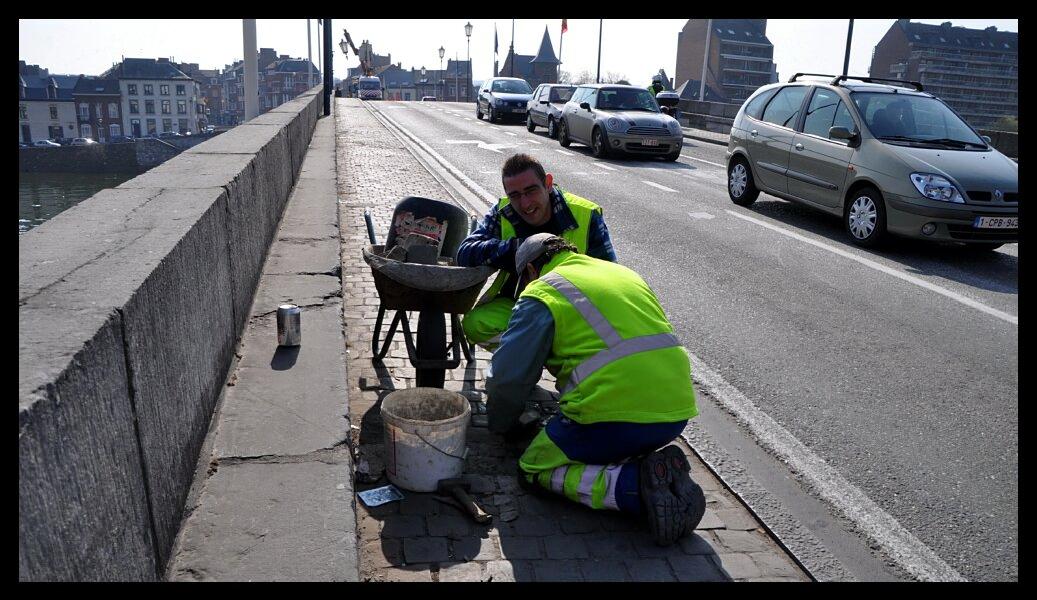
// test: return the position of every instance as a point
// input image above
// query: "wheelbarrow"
(433, 290)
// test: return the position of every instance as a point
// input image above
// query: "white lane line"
(533, 142)
(579, 172)
(564, 152)
(910, 553)
(1013, 319)
(701, 215)
(705, 161)
(661, 187)
(467, 119)
(510, 133)
(606, 167)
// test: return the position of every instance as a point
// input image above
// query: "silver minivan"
(884, 155)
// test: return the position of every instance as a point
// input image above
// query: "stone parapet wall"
(130, 305)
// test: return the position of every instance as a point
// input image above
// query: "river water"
(43, 195)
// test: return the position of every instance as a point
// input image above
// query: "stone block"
(736, 518)
(535, 526)
(563, 546)
(649, 569)
(425, 550)
(452, 525)
(701, 542)
(409, 573)
(606, 545)
(464, 571)
(557, 570)
(736, 566)
(696, 568)
(512, 547)
(603, 570)
(742, 541)
(776, 564)
(508, 570)
(403, 526)
(476, 548)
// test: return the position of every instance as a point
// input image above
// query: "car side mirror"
(986, 138)
(585, 105)
(842, 133)
(544, 102)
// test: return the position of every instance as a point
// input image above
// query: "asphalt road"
(897, 367)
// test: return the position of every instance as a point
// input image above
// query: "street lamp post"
(424, 82)
(344, 46)
(442, 53)
(468, 82)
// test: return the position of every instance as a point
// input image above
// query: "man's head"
(535, 252)
(657, 82)
(528, 187)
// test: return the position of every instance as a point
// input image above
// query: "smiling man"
(532, 204)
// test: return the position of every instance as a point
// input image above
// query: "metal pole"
(513, 47)
(320, 65)
(705, 61)
(457, 85)
(849, 36)
(251, 69)
(328, 57)
(561, 39)
(309, 57)
(468, 80)
(601, 22)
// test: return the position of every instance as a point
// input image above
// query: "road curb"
(702, 138)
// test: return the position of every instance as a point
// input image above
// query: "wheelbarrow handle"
(370, 226)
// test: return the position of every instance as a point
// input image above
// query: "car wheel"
(478, 112)
(492, 115)
(563, 134)
(530, 125)
(552, 130)
(740, 185)
(673, 156)
(599, 144)
(865, 217)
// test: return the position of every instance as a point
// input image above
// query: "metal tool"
(459, 489)
(289, 325)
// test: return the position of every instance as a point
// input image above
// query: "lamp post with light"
(424, 82)
(442, 53)
(468, 86)
(345, 52)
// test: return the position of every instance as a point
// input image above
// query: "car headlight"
(614, 124)
(675, 127)
(936, 187)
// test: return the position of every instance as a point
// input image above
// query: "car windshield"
(626, 99)
(561, 95)
(909, 118)
(511, 86)
(370, 85)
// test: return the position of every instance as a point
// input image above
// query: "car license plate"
(521, 110)
(649, 142)
(996, 223)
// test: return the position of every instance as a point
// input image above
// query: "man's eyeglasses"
(529, 191)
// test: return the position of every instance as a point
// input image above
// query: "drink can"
(289, 325)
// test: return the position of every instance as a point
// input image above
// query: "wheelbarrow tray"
(414, 286)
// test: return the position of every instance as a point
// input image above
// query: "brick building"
(98, 104)
(541, 68)
(740, 57)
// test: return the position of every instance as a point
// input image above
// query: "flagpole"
(561, 38)
(600, 22)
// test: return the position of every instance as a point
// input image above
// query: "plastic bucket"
(424, 436)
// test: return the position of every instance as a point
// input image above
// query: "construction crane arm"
(365, 66)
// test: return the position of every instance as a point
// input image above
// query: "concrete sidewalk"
(703, 135)
(531, 538)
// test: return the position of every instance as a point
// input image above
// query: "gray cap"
(531, 249)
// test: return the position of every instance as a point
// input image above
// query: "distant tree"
(565, 77)
(1007, 124)
(623, 82)
(583, 76)
(613, 77)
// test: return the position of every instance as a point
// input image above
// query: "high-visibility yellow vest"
(614, 353)
(581, 208)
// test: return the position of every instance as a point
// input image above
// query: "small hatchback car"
(885, 158)
(619, 118)
(501, 97)
(545, 107)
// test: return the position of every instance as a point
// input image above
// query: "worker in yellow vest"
(532, 204)
(624, 380)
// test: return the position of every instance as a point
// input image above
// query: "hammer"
(459, 489)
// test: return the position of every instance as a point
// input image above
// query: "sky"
(634, 49)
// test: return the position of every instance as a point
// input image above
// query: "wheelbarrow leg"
(379, 355)
(431, 346)
(460, 338)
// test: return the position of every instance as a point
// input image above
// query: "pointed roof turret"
(546, 54)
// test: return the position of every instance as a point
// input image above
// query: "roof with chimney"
(145, 68)
(36, 81)
(546, 54)
(293, 65)
(96, 86)
(949, 36)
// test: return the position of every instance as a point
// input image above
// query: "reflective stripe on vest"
(617, 347)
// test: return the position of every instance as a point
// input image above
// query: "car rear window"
(784, 108)
(561, 94)
(755, 106)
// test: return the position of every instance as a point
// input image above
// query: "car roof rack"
(793, 79)
(902, 82)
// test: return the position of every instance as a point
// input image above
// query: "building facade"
(157, 97)
(741, 58)
(283, 79)
(98, 103)
(280, 78)
(46, 108)
(975, 71)
(539, 68)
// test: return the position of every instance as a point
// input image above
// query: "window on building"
(131, 89)
(151, 127)
(54, 113)
(98, 110)
(183, 125)
(166, 109)
(181, 90)
(181, 107)
(84, 111)
(85, 131)
(113, 110)
(149, 89)
(116, 129)
(167, 124)
(149, 107)
(23, 111)
(134, 107)
(135, 127)
(163, 90)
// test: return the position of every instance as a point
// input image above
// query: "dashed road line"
(704, 161)
(564, 152)
(661, 187)
(510, 133)
(1013, 319)
(606, 167)
(533, 142)
(701, 215)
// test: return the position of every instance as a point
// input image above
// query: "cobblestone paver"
(530, 537)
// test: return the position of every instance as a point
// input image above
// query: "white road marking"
(701, 215)
(467, 119)
(606, 167)
(579, 173)
(1013, 319)
(705, 161)
(564, 152)
(487, 172)
(533, 142)
(481, 144)
(510, 133)
(661, 187)
(910, 553)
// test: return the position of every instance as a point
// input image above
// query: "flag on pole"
(565, 27)
(495, 39)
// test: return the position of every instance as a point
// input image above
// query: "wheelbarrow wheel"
(431, 345)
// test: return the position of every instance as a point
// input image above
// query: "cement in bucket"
(424, 436)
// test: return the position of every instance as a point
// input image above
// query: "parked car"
(169, 134)
(884, 155)
(619, 118)
(82, 141)
(545, 106)
(501, 97)
(428, 98)
(121, 139)
(24, 145)
(210, 129)
(46, 144)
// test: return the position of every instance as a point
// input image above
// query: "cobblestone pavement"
(531, 537)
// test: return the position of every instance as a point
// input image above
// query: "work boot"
(688, 493)
(661, 506)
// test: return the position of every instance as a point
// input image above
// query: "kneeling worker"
(533, 204)
(625, 384)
